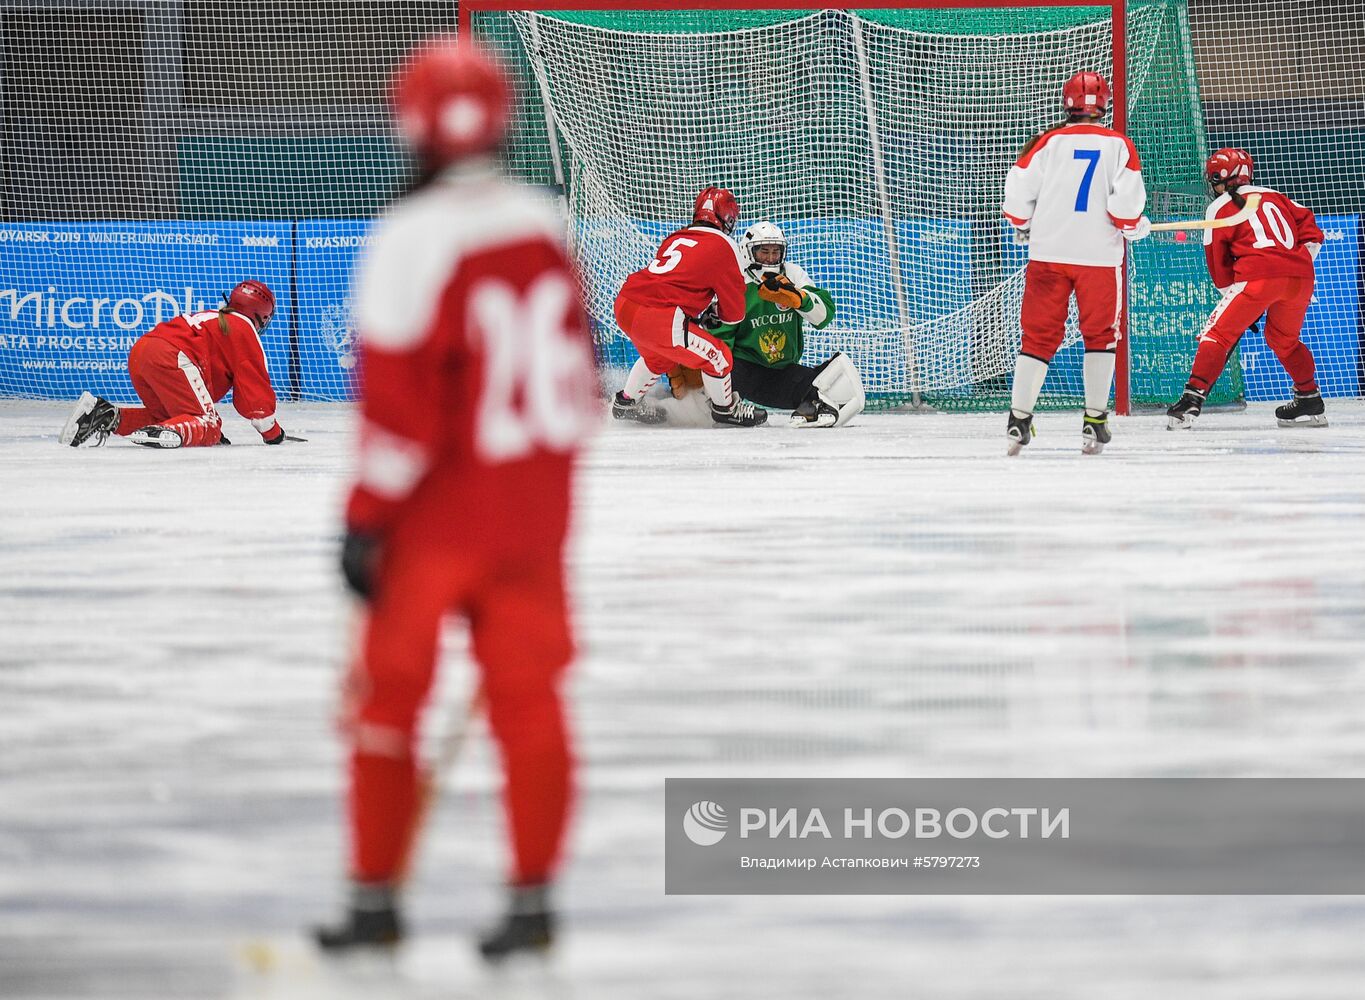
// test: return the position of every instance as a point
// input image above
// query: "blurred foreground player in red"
(180, 369)
(478, 388)
(670, 306)
(1263, 266)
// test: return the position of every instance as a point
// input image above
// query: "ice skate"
(1182, 414)
(1306, 409)
(157, 436)
(372, 921)
(625, 408)
(814, 412)
(90, 423)
(528, 926)
(1019, 431)
(1095, 434)
(740, 414)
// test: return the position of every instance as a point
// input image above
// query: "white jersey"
(1075, 189)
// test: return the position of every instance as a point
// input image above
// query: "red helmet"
(717, 206)
(254, 301)
(451, 100)
(1086, 93)
(1230, 167)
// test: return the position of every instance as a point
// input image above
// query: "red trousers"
(1047, 295)
(1284, 301)
(519, 625)
(666, 338)
(173, 394)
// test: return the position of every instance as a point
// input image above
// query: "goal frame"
(1118, 14)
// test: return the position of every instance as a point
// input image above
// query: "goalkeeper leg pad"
(90, 423)
(838, 396)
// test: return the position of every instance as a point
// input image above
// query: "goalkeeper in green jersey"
(780, 300)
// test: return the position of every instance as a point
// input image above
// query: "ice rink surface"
(891, 599)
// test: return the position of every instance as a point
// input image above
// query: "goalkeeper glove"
(359, 559)
(1021, 234)
(779, 289)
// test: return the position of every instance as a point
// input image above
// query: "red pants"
(665, 338)
(1284, 301)
(1047, 295)
(521, 639)
(173, 394)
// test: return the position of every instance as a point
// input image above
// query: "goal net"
(878, 141)
(142, 171)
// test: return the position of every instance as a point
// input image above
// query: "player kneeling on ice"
(670, 308)
(1263, 265)
(180, 369)
(1075, 196)
(780, 300)
(478, 389)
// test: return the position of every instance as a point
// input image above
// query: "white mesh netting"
(868, 143)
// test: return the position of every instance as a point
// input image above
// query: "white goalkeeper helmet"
(762, 234)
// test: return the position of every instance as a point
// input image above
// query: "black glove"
(710, 317)
(359, 559)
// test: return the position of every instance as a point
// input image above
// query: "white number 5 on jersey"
(671, 257)
(538, 376)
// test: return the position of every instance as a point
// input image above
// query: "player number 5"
(670, 257)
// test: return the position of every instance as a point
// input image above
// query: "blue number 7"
(1083, 195)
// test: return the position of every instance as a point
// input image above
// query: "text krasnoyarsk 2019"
(1001, 836)
(895, 823)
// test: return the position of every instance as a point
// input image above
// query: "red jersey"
(478, 380)
(231, 359)
(1270, 244)
(693, 266)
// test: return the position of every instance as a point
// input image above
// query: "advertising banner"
(75, 296)
(327, 251)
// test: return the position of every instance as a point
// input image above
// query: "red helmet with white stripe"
(717, 206)
(1087, 94)
(451, 100)
(1229, 167)
(254, 300)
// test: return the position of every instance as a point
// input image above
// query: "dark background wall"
(276, 108)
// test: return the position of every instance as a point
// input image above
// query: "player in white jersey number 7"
(1075, 195)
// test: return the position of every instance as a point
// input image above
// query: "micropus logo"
(705, 824)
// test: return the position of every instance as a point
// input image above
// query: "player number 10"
(1279, 225)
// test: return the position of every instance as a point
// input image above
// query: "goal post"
(876, 134)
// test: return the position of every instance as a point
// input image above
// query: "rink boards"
(73, 297)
